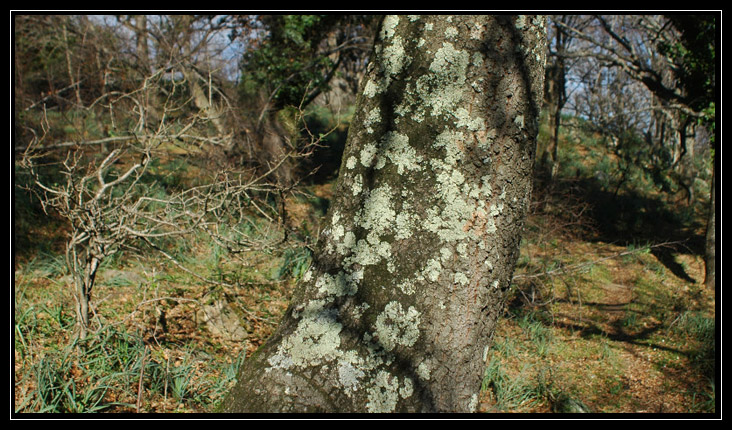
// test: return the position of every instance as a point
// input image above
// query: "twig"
(139, 382)
(180, 266)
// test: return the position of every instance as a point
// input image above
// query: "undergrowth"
(606, 313)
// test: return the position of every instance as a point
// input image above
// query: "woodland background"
(171, 173)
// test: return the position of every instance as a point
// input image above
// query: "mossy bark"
(397, 312)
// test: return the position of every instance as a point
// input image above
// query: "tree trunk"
(397, 312)
(710, 270)
(555, 101)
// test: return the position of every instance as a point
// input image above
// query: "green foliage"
(85, 377)
(509, 392)
(539, 334)
(702, 331)
(295, 262)
(695, 57)
(287, 63)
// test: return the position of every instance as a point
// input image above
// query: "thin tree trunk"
(409, 276)
(710, 270)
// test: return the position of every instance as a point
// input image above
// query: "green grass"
(580, 345)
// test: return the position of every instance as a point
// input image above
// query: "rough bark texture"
(397, 312)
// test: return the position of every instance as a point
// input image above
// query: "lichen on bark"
(410, 271)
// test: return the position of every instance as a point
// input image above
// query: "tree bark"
(711, 235)
(556, 97)
(397, 312)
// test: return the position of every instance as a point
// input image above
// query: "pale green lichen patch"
(520, 22)
(473, 404)
(476, 31)
(406, 390)
(350, 372)
(388, 28)
(367, 154)
(394, 58)
(448, 140)
(424, 370)
(406, 222)
(371, 88)
(377, 214)
(519, 121)
(357, 185)
(395, 326)
(315, 340)
(450, 63)
(397, 150)
(406, 287)
(461, 278)
(432, 270)
(464, 119)
(449, 74)
(445, 254)
(455, 210)
(338, 285)
(383, 395)
(367, 253)
(386, 391)
(438, 92)
(372, 118)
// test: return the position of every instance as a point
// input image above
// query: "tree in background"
(410, 274)
(694, 58)
(555, 85)
(288, 61)
(295, 57)
(651, 76)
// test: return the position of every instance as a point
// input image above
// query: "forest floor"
(591, 326)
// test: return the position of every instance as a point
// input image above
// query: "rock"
(565, 404)
(221, 320)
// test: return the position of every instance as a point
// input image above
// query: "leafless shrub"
(105, 193)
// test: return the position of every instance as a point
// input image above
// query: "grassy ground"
(623, 335)
(598, 320)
